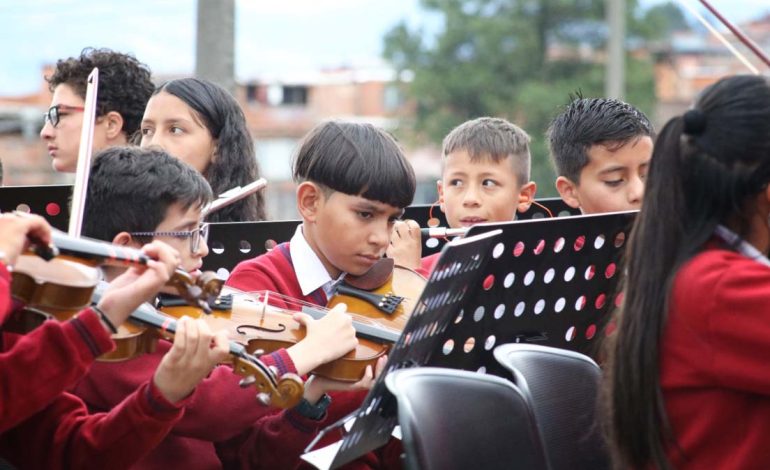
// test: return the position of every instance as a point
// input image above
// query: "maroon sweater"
(714, 370)
(274, 272)
(42, 427)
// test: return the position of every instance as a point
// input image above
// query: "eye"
(613, 183)
(176, 130)
(147, 131)
(488, 183)
(365, 214)
(455, 182)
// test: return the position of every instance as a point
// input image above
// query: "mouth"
(52, 150)
(369, 259)
(468, 221)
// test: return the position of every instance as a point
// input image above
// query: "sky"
(272, 37)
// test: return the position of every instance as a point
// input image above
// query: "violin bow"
(84, 156)
(745, 40)
(233, 195)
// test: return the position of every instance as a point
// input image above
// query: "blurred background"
(414, 67)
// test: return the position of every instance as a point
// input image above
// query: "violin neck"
(98, 251)
(370, 331)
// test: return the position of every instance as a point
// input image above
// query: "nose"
(471, 196)
(379, 236)
(203, 249)
(46, 133)
(635, 191)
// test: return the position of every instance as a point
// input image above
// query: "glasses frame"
(195, 236)
(54, 113)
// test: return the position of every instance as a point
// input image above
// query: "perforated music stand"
(545, 281)
(459, 270)
(420, 213)
(233, 242)
(50, 201)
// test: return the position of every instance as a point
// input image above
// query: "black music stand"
(546, 281)
(52, 202)
(233, 242)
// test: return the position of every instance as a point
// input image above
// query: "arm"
(37, 367)
(64, 435)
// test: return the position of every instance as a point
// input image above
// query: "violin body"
(263, 322)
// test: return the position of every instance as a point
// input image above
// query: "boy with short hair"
(601, 148)
(124, 89)
(135, 196)
(485, 178)
(353, 184)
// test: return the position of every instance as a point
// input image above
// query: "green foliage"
(517, 59)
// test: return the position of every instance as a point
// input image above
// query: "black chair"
(453, 419)
(562, 388)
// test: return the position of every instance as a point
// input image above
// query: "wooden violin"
(263, 320)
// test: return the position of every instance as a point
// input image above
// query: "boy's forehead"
(462, 160)
(177, 215)
(619, 155)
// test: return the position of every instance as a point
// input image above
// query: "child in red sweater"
(43, 427)
(485, 178)
(137, 195)
(353, 184)
(688, 374)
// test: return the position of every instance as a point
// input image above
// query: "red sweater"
(714, 365)
(273, 271)
(42, 427)
(428, 263)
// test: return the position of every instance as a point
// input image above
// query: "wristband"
(315, 412)
(105, 319)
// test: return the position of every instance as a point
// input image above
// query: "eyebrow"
(170, 120)
(612, 169)
(186, 225)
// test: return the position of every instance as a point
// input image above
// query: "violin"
(60, 288)
(262, 321)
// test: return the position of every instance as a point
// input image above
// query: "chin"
(62, 166)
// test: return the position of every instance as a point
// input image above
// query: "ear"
(526, 196)
(309, 200)
(568, 191)
(125, 239)
(114, 123)
(440, 190)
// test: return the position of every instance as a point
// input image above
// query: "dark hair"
(494, 138)
(234, 162)
(124, 83)
(592, 121)
(706, 168)
(356, 159)
(130, 190)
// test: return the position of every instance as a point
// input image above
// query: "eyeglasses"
(54, 113)
(195, 236)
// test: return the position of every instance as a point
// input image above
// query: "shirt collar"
(745, 248)
(308, 267)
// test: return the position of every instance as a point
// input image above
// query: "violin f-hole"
(281, 328)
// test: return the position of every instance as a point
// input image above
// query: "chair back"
(452, 419)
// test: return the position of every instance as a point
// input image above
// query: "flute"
(443, 232)
(234, 195)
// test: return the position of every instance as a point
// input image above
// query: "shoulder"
(262, 272)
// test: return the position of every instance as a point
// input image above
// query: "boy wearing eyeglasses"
(124, 89)
(138, 195)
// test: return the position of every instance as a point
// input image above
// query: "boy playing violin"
(485, 178)
(42, 426)
(139, 195)
(601, 148)
(353, 184)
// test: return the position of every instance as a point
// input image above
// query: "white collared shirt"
(308, 267)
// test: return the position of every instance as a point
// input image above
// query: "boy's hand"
(196, 351)
(327, 339)
(316, 386)
(406, 244)
(137, 285)
(16, 229)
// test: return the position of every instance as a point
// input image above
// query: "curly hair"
(124, 83)
(235, 162)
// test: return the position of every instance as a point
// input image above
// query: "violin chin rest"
(377, 276)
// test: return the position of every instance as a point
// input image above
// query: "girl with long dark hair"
(200, 123)
(689, 376)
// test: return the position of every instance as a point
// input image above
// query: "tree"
(518, 59)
